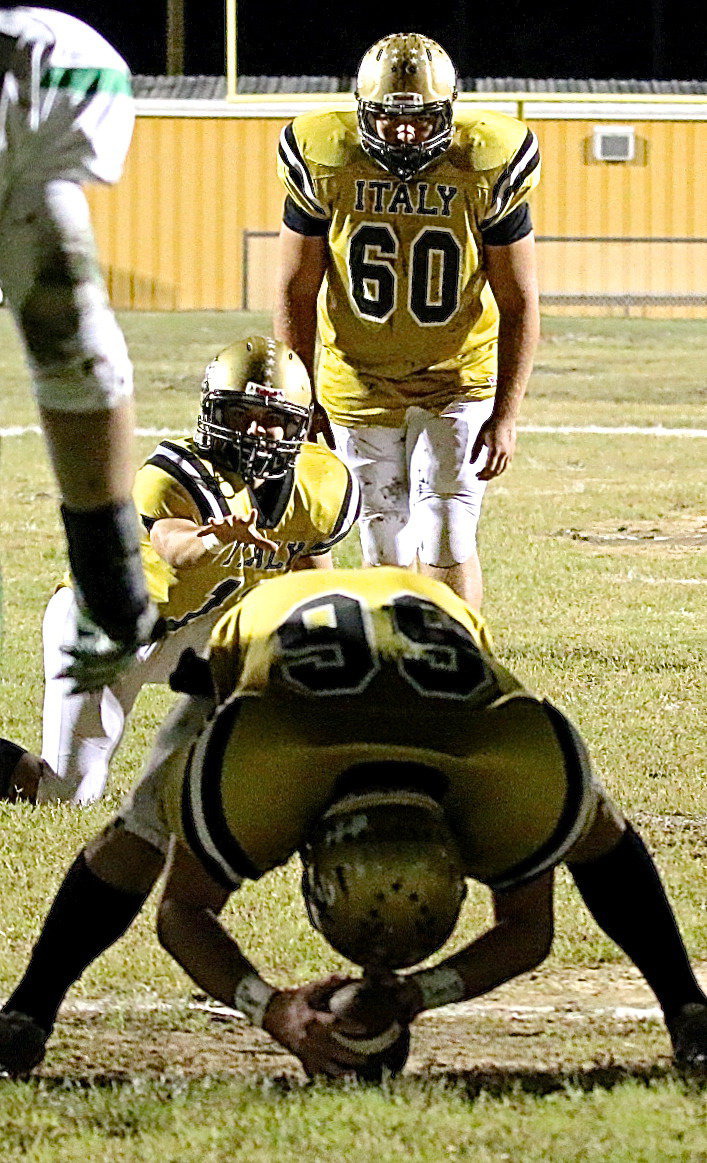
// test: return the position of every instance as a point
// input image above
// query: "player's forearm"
(177, 543)
(302, 262)
(315, 561)
(504, 952)
(519, 940)
(519, 331)
(197, 940)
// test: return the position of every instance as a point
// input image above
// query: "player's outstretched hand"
(300, 1021)
(233, 530)
(98, 660)
(498, 436)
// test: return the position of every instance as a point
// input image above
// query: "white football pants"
(421, 497)
(81, 733)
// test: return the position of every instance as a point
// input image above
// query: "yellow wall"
(171, 235)
(658, 195)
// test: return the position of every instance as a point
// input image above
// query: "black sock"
(625, 895)
(87, 916)
(105, 559)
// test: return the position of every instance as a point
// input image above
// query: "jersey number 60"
(434, 264)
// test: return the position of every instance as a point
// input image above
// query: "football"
(385, 1045)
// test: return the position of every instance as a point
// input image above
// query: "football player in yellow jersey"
(358, 717)
(247, 498)
(415, 222)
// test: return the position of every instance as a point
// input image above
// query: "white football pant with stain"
(81, 733)
(421, 497)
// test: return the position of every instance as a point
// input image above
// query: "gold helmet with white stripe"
(256, 403)
(383, 876)
(405, 87)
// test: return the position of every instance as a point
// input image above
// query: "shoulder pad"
(333, 495)
(327, 140)
(484, 140)
(317, 462)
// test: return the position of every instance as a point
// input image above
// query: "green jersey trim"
(88, 82)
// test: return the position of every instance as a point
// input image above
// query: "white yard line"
(640, 579)
(568, 1012)
(550, 429)
(35, 430)
(623, 430)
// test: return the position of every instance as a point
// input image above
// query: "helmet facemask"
(254, 456)
(407, 78)
(405, 159)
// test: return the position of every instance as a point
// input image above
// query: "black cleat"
(688, 1033)
(22, 1043)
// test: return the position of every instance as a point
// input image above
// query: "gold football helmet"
(409, 76)
(253, 385)
(383, 877)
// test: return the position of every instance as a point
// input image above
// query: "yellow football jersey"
(406, 315)
(318, 672)
(306, 513)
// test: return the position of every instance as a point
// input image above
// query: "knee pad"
(446, 530)
(386, 539)
(377, 457)
(75, 347)
(446, 492)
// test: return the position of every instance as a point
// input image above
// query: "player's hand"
(98, 660)
(406, 1000)
(320, 422)
(498, 436)
(299, 1020)
(233, 530)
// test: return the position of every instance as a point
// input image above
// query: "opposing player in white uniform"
(413, 221)
(247, 498)
(66, 117)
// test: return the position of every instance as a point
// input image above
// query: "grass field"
(594, 554)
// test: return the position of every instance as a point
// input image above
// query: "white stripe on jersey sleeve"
(520, 166)
(182, 465)
(196, 806)
(300, 176)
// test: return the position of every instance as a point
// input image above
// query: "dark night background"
(642, 39)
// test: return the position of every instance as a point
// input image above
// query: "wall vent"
(614, 143)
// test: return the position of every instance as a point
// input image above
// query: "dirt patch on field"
(566, 1025)
(673, 536)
